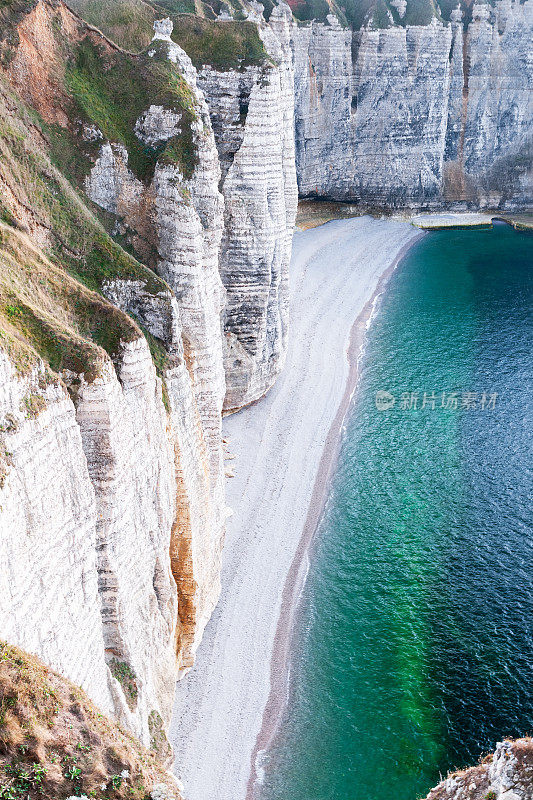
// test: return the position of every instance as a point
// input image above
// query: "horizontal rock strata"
(418, 116)
(182, 218)
(88, 501)
(115, 553)
(252, 116)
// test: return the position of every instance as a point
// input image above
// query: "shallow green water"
(414, 647)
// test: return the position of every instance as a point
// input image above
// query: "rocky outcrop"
(252, 116)
(506, 775)
(251, 109)
(417, 116)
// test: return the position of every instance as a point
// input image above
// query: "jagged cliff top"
(55, 743)
(505, 775)
(215, 31)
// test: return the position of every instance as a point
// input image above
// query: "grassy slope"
(224, 45)
(127, 22)
(46, 312)
(59, 319)
(49, 303)
(96, 83)
(38, 190)
(227, 44)
(55, 743)
(113, 89)
(379, 13)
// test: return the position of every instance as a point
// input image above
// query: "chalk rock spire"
(163, 28)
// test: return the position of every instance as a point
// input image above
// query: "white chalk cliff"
(421, 116)
(185, 229)
(252, 112)
(112, 501)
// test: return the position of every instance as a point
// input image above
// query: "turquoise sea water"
(413, 652)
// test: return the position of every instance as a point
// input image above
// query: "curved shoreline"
(298, 571)
(279, 445)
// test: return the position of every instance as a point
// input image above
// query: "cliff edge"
(112, 489)
(505, 775)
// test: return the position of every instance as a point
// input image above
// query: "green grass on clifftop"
(112, 90)
(30, 184)
(49, 304)
(127, 22)
(173, 7)
(383, 14)
(224, 44)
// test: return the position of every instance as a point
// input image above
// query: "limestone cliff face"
(130, 462)
(252, 115)
(88, 502)
(112, 502)
(506, 775)
(417, 116)
(489, 150)
(182, 218)
(113, 486)
(48, 508)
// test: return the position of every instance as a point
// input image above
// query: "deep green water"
(413, 651)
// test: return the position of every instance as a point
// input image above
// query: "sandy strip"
(521, 221)
(284, 446)
(452, 220)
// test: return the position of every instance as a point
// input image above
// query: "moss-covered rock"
(112, 89)
(87, 89)
(37, 197)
